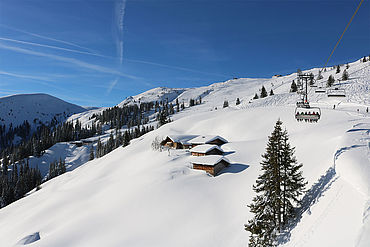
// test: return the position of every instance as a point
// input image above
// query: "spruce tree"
(278, 189)
(255, 96)
(126, 138)
(293, 87)
(263, 92)
(345, 75)
(91, 157)
(330, 81)
(338, 69)
(237, 101)
(319, 76)
(271, 92)
(177, 105)
(311, 79)
(226, 104)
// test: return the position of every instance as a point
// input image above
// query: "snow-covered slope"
(155, 94)
(135, 196)
(35, 108)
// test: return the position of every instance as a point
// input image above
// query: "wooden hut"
(206, 149)
(178, 141)
(207, 139)
(212, 164)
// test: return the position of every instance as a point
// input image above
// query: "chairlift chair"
(336, 92)
(307, 114)
(320, 90)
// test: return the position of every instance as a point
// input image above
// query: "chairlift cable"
(358, 7)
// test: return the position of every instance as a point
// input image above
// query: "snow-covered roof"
(209, 160)
(205, 148)
(183, 139)
(204, 139)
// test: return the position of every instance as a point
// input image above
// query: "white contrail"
(174, 67)
(111, 85)
(120, 14)
(38, 78)
(47, 38)
(73, 61)
(52, 47)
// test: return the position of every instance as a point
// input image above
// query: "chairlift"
(307, 114)
(336, 92)
(320, 90)
(303, 110)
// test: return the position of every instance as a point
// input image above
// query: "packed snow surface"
(135, 196)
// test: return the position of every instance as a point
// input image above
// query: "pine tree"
(237, 101)
(278, 189)
(319, 76)
(338, 69)
(263, 92)
(177, 105)
(330, 81)
(91, 154)
(364, 59)
(126, 138)
(255, 96)
(191, 102)
(271, 92)
(293, 87)
(311, 79)
(345, 75)
(226, 104)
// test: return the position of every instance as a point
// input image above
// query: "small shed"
(207, 139)
(178, 141)
(212, 164)
(206, 149)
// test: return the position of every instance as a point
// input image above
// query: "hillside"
(135, 196)
(35, 108)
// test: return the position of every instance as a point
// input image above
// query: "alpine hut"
(207, 139)
(212, 164)
(178, 141)
(206, 149)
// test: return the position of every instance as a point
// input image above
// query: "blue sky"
(96, 53)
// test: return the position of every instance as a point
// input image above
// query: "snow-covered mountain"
(35, 108)
(135, 196)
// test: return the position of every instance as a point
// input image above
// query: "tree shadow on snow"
(29, 239)
(234, 168)
(311, 197)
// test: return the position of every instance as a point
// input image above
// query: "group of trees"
(15, 184)
(278, 190)
(331, 80)
(226, 103)
(263, 93)
(56, 168)
(45, 137)
(129, 116)
(119, 139)
(7, 134)
(193, 102)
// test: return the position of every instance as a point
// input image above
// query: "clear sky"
(96, 53)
